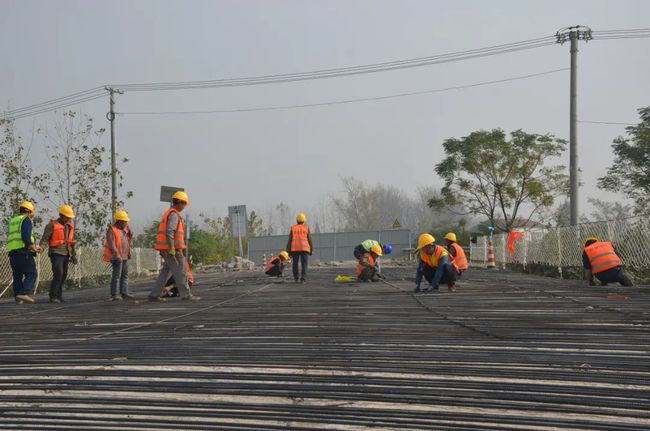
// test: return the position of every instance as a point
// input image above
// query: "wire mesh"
(562, 247)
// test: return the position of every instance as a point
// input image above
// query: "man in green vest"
(22, 252)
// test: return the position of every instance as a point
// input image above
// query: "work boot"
(432, 290)
(191, 298)
(24, 298)
(303, 280)
(417, 290)
(451, 287)
(156, 298)
(116, 298)
(127, 296)
(55, 300)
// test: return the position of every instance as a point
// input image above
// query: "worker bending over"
(367, 267)
(599, 259)
(366, 245)
(276, 265)
(434, 264)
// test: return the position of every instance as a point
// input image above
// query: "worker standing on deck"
(366, 245)
(276, 265)
(434, 265)
(170, 242)
(22, 253)
(59, 237)
(300, 247)
(367, 267)
(117, 251)
(457, 253)
(599, 259)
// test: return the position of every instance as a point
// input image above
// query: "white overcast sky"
(54, 48)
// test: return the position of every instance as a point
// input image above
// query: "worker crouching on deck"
(457, 253)
(434, 265)
(367, 265)
(599, 259)
(276, 265)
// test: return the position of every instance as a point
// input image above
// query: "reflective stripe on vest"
(460, 260)
(179, 232)
(15, 238)
(299, 240)
(58, 234)
(108, 254)
(602, 257)
(440, 252)
(366, 257)
(368, 244)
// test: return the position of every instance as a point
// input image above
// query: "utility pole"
(573, 34)
(110, 116)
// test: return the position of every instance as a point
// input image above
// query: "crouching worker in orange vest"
(434, 265)
(59, 237)
(300, 247)
(599, 259)
(276, 265)
(170, 289)
(170, 242)
(367, 268)
(117, 251)
(457, 253)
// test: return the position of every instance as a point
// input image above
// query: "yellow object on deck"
(344, 279)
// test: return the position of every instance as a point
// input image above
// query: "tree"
(487, 174)
(609, 210)
(630, 171)
(255, 225)
(20, 182)
(147, 238)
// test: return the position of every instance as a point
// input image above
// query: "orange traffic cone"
(490, 262)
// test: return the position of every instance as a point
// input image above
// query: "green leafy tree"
(487, 174)
(147, 238)
(255, 225)
(630, 170)
(19, 180)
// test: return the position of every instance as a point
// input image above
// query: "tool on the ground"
(344, 279)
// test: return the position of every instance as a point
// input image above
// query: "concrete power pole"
(111, 117)
(573, 34)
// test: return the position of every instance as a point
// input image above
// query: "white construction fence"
(144, 261)
(561, 248)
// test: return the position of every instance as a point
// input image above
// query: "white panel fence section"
(561, 247)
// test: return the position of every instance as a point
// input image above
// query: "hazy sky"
(54, 48)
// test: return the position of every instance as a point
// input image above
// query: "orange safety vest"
(118, 244)
(440, 252)
(602, 257)
(179, 234)
(58, 234)
(460, 260)
(371, 261)
(299, 241)
(271, 264)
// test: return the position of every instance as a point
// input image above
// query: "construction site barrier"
(560, 248)
(144, 261)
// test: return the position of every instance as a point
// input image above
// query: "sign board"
(166, 193)
(237, 216)
(396, 224)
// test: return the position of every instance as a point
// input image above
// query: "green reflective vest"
(368, 244)
(15, 239)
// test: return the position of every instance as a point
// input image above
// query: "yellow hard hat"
(376, 249)
(181, 196)
(451, 236)
(66, 210)
(121, 215)
(301, 218)
(589, 238)
(284, 255)
(424, 240)
(27, 205)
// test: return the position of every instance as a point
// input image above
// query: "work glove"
(172, 252)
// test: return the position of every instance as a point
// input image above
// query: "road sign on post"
(237, 216)
(396, 224)
(166, 193)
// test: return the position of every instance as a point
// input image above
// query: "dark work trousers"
(120, 277)
(614, 275)
(274, 271)
(23, 266)
(59, 274)
(449, 274)
(301, 256)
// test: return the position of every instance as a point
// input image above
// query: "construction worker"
(599, 259)
(366, 245)
(300, 246)
(22, 252)
(59, 237)
(276, 265)
(367, 268)
(170, 242)
(434, 264)
(457, 253)
(117, 251)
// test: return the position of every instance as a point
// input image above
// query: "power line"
(606, 122)
(54, 107)
(340, 102)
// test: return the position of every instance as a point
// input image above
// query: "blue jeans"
(23, 266)
(120, 276)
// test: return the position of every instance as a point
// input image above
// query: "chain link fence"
(558, 251)
(90, 267)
